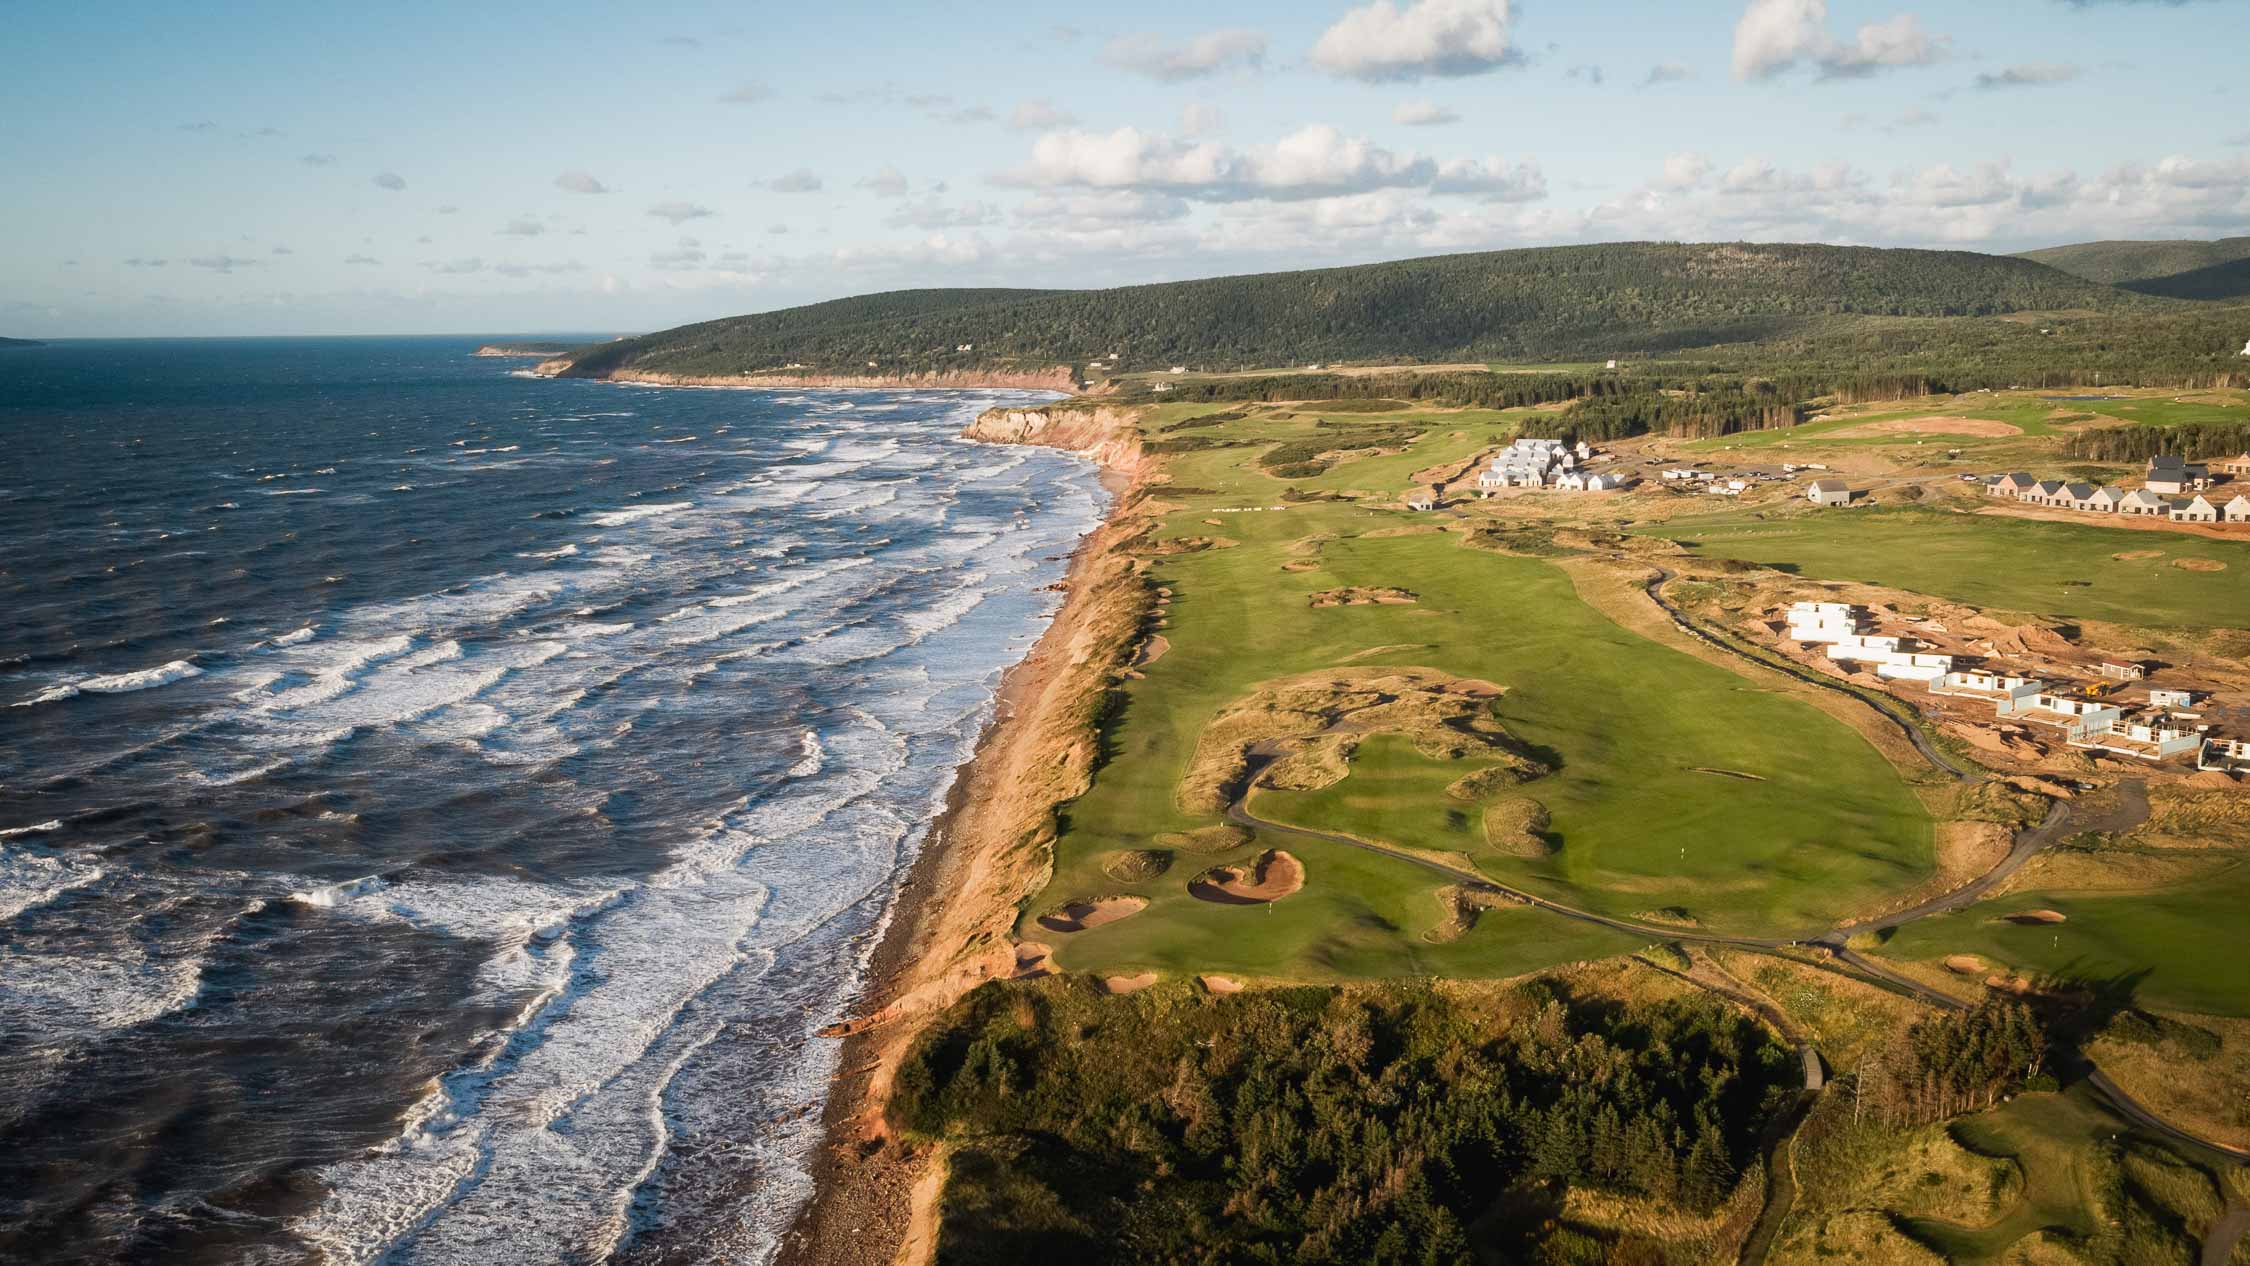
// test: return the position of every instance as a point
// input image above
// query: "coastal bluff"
(1109, 434)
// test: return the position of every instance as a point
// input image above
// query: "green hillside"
(2173, 270)
(1624, 299)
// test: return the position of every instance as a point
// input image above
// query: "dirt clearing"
(1932, 425)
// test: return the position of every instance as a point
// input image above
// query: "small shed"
(1423, 497)
(2124, 669)
(1828, 492)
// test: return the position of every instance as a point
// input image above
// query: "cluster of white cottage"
(1544, 463)
(2086, 723)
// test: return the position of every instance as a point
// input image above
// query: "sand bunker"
(1153, 650)
(1308, 726)
(1964, 965)
(1031, 960)
(1357, 596)
(1220, 984)
(1726, 773)
(2135, 555)
(1932, 425)
(2199, 564)
(1271, 876)
(1127, 984)
(1300, 565)
(2036, 917)
(1083, 916)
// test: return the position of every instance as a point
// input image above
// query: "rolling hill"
(2216, 270)
(1623, 299)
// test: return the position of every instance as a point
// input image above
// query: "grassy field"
(2048, 416)
(2029, 565)
(1629, 721)
(2171, 947)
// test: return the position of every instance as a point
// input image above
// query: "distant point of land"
(21, 342)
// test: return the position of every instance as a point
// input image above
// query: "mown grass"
(2048, 568)
(2175, 947)
(1832, 824)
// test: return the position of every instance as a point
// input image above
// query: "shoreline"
(871, 1192)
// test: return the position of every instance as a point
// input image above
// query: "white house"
(2142, 501)
(2199, 510)
(2105, 500)
(2225, 755)
(2003, 691)
(2245, 348)
(1828, 492)
(2171, 474)
(2144, 737)
(2238, 510)
(2171, 698)
(1599, 482)
(2014, 485)
(1825, 621)
(1422, 498)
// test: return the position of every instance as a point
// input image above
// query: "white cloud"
(1039, 115)
(1201, 118)
(680, 212)
(1091, 211)
(1422, 114)
(317, 160)
(1684, 171)
(222, 263)
(579, 182)
(887, 183)
(930, 214)
(1312, 162)
(1207, 54)
(1666, 73)
(1774, 35)
(390, 180)
(1383, 42)
(749, 93)
(2028, 75)
(802, 180)
(522, 226)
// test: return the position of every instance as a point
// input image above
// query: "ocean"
(438, 806)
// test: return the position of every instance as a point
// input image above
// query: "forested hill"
(1624, 299)
(2175, 270)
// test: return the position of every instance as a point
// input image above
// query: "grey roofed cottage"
(2014, 485)
(2105, 499)
(1828, 492)
(2142, 501)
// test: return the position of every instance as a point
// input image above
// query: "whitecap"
(619, 518)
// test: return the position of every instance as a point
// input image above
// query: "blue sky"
(254, 168)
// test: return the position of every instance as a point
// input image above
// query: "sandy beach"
(950, 930)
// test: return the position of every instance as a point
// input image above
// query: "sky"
(598, 166)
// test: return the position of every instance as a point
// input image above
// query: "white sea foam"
(305, 634)
(619, 518)
(813, 754)
(120, 683)
(30, 878)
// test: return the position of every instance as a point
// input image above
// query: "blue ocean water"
(437, 805)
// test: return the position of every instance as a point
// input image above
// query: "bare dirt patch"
(2199, 564)
(1933, 424)
(1220, 984)
(1086, 915)
(1965, 965)
(1269, 877)
(1359, 596)
(1128, 984)
(1031, 960)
